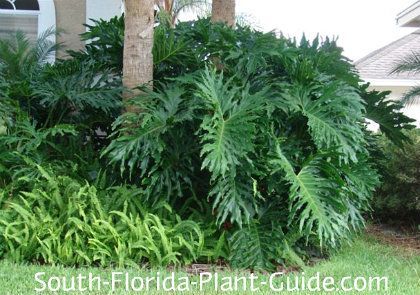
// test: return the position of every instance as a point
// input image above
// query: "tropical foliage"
(251, 148)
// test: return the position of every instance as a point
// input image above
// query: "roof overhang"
(410, 17)
(392, 82)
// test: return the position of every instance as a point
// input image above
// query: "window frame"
(46, 15)
(17, 9)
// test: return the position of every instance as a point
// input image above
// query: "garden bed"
(401, 238)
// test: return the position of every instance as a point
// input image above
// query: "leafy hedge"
(398, 198)
(256, 143)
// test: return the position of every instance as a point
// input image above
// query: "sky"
(362, 26)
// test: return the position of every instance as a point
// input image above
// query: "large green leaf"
(256, 245)
(229, 130)
(316, 201)
(140, 140)
(234, 199)
(262, 243)
(334, 113)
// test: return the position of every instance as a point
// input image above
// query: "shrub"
(257, 125)
(255, 144)
(398, 198)
(52, 114)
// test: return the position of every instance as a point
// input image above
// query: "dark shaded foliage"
(398, 199)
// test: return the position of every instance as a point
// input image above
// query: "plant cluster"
(256, 145)
(61, 221)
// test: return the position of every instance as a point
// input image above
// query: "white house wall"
(102, 9)
(72, 15)
(46, 18)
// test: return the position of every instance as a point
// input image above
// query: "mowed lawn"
(365, 257)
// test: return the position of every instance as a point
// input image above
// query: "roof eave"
(410, 17)
(392, 82)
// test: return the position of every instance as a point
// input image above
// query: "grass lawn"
(366, 257)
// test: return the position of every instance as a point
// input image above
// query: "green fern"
(61, 221)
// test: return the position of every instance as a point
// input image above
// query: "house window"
(19, 4)
(19, 15)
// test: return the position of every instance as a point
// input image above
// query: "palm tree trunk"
(138, 45)
(223, 11)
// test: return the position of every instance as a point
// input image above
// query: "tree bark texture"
(223, 11)
(138, 45)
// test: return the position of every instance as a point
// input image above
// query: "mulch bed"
(397, 237)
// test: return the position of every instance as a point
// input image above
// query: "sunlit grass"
(366, 257)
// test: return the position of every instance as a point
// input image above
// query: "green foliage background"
(251, 148)
(398, 199)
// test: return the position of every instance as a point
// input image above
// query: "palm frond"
(411, 97)
(195, 6)
(408, 64)
(15, 54)
(45, 48)
(20, 56)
